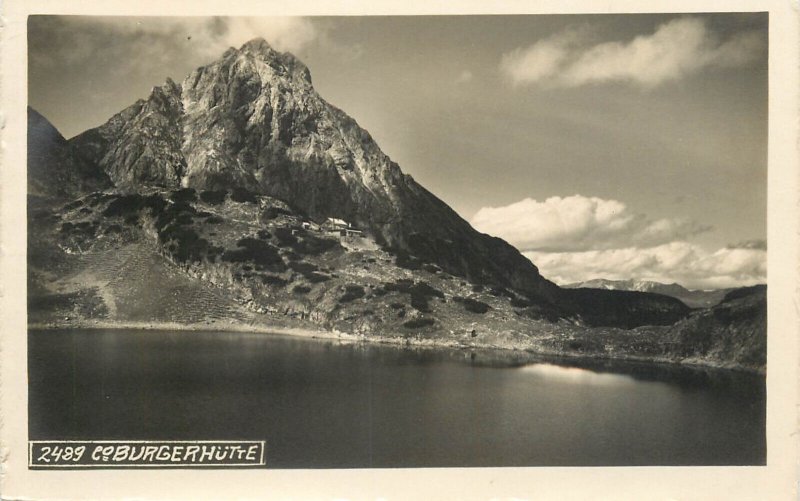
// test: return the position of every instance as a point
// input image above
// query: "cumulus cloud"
(676, 49)
(682, 262)
(579, 238)
(577, 223)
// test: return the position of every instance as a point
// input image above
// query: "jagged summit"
(140, 146)
(258, 45)
(171, 86)
(280, 62)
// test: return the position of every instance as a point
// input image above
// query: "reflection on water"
(325, 404)
(575, 375)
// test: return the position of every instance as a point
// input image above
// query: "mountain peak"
(260, 49)
(257, 45)
(172, 85)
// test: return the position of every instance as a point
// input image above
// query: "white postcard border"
(777, 480)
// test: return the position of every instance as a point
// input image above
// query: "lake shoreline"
(308, 332)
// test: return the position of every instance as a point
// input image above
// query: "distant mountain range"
(206, 202)
(692, 298)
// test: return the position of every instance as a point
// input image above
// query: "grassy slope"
(186, 263)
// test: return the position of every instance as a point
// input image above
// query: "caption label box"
(145, 454)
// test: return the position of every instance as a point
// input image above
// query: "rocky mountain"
(692, 298)
(247, 138)
(139, 147)
(253, 120)
(54, 171)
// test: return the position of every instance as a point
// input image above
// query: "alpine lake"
(329, 404)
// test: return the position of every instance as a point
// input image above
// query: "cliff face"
(140, 146)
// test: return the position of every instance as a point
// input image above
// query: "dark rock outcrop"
(734, 331)
(626, 309)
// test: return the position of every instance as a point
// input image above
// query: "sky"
(602, 146)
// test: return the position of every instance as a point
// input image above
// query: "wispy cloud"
(283, 33)
(544, 60)
(676, 49)
(577, 223)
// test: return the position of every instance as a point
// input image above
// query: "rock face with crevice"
(140, 146)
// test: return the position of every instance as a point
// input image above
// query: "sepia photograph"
(558, 259)
(395, 242)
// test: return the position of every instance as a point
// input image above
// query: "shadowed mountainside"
(54, 171)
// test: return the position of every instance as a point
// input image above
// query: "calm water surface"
(321, 404)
